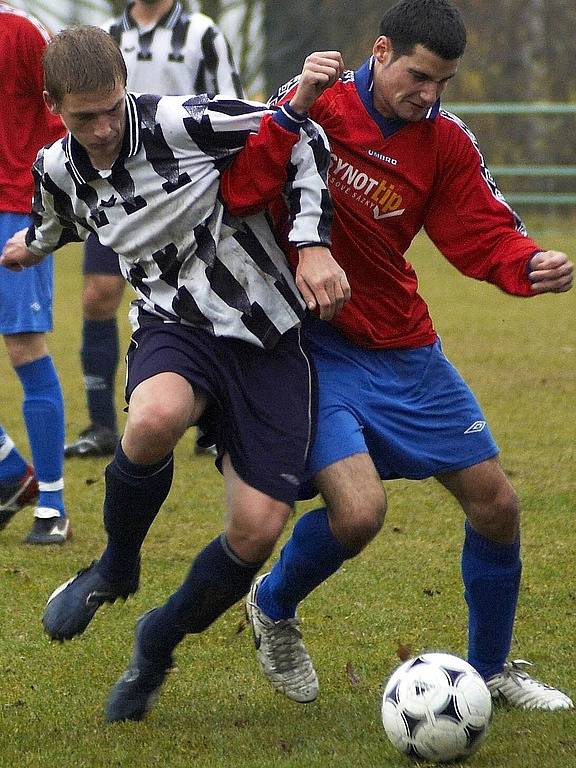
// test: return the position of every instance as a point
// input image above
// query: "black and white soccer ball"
(436, 708)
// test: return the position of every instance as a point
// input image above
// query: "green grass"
(216, 709)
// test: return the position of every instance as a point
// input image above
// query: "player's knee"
(356, 528)
(498, 517)
(155, 428)
(101, 298)
(252, 536)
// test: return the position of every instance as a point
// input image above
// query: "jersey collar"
(169, 20)
(80, 167)
(364, 81)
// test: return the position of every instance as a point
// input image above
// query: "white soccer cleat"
(281, 652)
(515, 686)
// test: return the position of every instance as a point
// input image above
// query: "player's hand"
(321, 281)
(551, 272)
(320, 71)
(16, 255)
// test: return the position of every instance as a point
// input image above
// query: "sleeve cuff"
(289, 119)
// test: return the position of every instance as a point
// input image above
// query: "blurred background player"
(170, 52)
(26, 297)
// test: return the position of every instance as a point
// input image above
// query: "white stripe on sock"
(46, 512)
(6, 447)
(57, 485)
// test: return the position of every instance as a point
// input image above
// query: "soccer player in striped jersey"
(390, 404)
(168, 51)
(215, 323)
(26, 300)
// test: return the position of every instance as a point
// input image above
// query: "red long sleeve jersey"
(26, 124)
(385, 188)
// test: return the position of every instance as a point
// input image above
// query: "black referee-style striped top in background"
(181, 53)
(158, 208)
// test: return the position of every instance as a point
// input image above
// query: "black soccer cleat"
(49, 530)
(139, 687)
(72, 605)
(92, 441)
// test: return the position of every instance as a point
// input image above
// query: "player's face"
(96, 120)
(408, 86)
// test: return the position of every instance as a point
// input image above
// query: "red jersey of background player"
(390, 178)
(26, 124)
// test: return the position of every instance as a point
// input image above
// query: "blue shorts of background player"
(25, 297)
(25, 316)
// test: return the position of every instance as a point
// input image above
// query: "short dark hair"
(435, 24)
(82, 60)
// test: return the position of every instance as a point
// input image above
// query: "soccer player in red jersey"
(390, 404)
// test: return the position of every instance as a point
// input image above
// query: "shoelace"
(513, 669)
(285, 642)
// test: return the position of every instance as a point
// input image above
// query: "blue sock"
(99, 355)
(12, 465)
(308, 558)
(134, 495)
(491, 574)
(43, 409)
(217, 579)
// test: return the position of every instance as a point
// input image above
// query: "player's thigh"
(355, 497)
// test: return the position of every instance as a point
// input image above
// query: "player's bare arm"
(551, 272)
(321, 281)
(16, 255)
(320, 71)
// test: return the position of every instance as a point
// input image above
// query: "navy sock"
(491, 574)
(217, 579)
(134, 495)
(43, 409)
(99, 355)
(12, 464)
(310, 556)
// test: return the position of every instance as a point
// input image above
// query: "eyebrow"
(84, 114)
(421, 73)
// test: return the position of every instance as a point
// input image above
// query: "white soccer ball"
(436, 707)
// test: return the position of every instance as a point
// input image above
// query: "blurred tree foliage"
(518, 50)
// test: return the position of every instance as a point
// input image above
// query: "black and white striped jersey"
(181, 53)
(158, 208)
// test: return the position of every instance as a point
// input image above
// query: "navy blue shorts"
(261, 407)
(99, 259)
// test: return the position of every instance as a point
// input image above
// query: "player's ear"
(382, 49)
(50, 103)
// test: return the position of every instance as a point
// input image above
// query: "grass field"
(216, 709)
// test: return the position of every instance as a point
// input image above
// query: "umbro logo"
(478, 426)
(110, 203)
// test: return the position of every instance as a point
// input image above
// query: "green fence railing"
(547, 171)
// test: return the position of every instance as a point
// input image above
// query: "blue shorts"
(25, 297)
(99, 259)
(261, 402)
(408, 408)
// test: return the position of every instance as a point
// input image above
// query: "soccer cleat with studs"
(49, 530)
(139, 687)
(15, 494)
(71, 607)
(515, 687)
(281, 651)
(92, 441)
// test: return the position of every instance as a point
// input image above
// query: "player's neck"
(145, 14)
